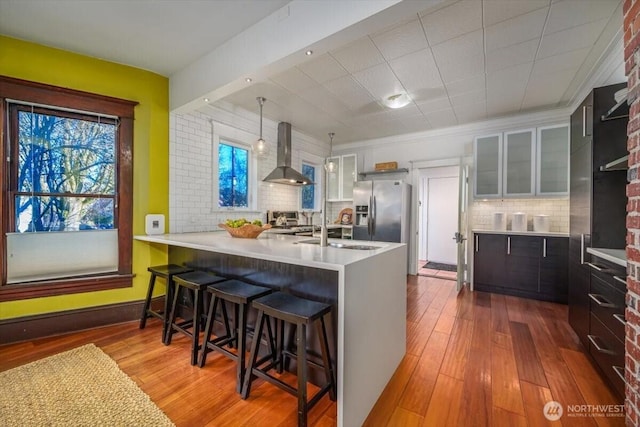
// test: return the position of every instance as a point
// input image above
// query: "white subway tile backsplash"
(557, 209)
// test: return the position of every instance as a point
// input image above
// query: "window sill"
(49, 288)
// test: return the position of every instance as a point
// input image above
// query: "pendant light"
(260, 147)
(331, 165)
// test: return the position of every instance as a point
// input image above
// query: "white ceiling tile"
(442, 118)
(512, 79)
(461, 57)
(349, 92)
(417, 71)
(553, 64)
(500, 10)
(323, 99)
(436, 104)
(323, 68)
(294, 80)
(574, 38)
(379, 81)
(543, 92)
(500, 106)
(401, 40)
(468, 98)
(471, 112)
(453, 21)
(570, 13)
(515, 30)
(358, 55)
(512, 55)
(470, 84)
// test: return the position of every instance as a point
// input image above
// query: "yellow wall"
(42, 64)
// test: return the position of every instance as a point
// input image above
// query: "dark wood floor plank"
(505, 387)
(499, 314)
(527, 359)
(444, 406)
(457, 355)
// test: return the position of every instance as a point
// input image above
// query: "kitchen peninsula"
(367, 289)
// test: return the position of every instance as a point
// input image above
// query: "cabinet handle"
(508, 245)
(620, 371)
(582, 249)
(620, 318)
(601, 301)
(477, 243)
(544, 248)
(595, 267)
(584, 120)
(604, 350)
(620, 279)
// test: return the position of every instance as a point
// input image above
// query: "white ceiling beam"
(279, 41)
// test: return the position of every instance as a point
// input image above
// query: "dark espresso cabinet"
(597, 195)
(520, 265)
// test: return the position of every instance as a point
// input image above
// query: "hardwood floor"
(473, 359)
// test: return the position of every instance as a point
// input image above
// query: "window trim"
(63, 98)
(318, 163)
(241, 139)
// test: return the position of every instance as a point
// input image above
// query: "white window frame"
(241, 139)
(318, 163)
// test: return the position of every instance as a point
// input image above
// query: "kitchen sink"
(340, 245)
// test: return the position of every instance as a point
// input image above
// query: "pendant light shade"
(331, 166)
(260, 147)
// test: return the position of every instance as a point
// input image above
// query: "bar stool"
(166, 272)
(196, 282)
(299, 312)
(240, 294)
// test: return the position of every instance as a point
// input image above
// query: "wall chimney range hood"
(284, 173)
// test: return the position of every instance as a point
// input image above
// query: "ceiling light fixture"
(260, 147)
(206, 99)
(397, 100)
(309, 53)
(248, 80)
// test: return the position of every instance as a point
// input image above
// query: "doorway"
(438, 223)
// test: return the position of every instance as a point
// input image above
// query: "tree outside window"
(233, 176)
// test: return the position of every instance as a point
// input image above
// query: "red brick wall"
(632, 345)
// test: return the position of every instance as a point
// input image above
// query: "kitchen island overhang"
(366, 287)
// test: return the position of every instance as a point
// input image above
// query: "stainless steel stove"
(289, 221)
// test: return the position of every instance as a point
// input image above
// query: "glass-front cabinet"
(341, 178)
(553, 161)
(488, 166)
(522, 163)
(519, 163)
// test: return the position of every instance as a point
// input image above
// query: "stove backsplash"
(557, 209)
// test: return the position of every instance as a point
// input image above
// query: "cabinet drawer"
(608, 305)
(608, 352)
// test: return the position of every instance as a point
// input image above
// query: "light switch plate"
(154, 224)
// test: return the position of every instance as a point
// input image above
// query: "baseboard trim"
(29, 328)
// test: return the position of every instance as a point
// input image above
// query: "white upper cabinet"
(488, 166)
(553, 161)
(341, 178)
(524, 163)
(519, 163)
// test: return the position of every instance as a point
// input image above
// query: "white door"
(461, 235)
(442, 219)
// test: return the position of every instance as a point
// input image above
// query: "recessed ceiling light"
(309, 53)
(248, 80)
(206, 99)
(398, 100)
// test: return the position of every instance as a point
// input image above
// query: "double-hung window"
(310, 195)
(66, 196)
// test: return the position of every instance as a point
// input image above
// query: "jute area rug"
(80, 387)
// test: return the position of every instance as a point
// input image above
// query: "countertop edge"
(522, 233)
(611, 255)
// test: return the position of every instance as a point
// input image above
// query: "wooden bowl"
(247, 231)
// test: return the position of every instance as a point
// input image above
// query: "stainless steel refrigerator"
(382, 211)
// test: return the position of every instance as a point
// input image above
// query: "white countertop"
(523, 233)
(616, 256)
(274, 247)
